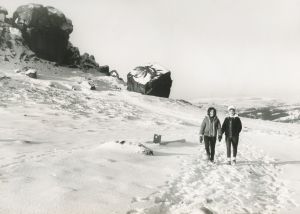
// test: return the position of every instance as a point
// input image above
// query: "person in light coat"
(209, 131)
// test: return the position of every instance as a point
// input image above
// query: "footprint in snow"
(251, 186)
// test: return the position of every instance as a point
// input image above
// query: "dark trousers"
(234, 141)
(210, 143)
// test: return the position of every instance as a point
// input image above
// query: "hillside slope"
(60, 154)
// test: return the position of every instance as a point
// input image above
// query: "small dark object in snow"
(157, 138)
(208, 200)
(32, 73)
(92, 84)
(146, 151)
(121, 142)
(205, 210)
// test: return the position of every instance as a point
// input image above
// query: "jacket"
(211, 127)
(232, 126)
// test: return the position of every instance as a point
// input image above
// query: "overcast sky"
(214, 48)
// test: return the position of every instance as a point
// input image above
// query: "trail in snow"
(251, 186)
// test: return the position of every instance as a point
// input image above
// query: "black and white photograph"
(150, 107)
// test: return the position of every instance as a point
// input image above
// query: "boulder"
(46, 30)
(32, 73)
(104, 69)
(88, 62)
(150, 79)
(37, 33)
(3, 13)
(3, 10)
(114, 73)
(85, 62)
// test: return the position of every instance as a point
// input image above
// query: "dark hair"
(211, 109)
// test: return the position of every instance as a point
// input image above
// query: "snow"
(59, 153)
(14, 31)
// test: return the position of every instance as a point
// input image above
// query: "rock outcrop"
(36, 32)
(85, 62)
(150, 80)
(46, 30)
(12, 44)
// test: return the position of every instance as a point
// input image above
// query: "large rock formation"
(150, 80)
(46, 30)
(12, 44)
(36, 32)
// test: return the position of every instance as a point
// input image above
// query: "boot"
(234, 161)
(228, 161)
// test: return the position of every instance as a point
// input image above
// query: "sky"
(214, 48)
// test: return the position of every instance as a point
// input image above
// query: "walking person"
(232, 126)
(210, 128)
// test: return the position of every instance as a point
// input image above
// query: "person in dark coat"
(232, 126)
(210, 128)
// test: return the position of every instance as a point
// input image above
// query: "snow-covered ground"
(59, 153)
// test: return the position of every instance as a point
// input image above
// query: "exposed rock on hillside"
(150, 80)
(46, 30)
(36, 32)
(12, 44)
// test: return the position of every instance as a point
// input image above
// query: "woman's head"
(231, 110)
(211, 112)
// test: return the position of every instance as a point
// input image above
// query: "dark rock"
(104, 69)
(37, 33)
(206, 210)
(92, 85)
(3, 13)
(150, 80)
(3, 10)
(46, 30)
(85, 62)
(88, 62)
(72, 57)
(32, 73)
(114, 73)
